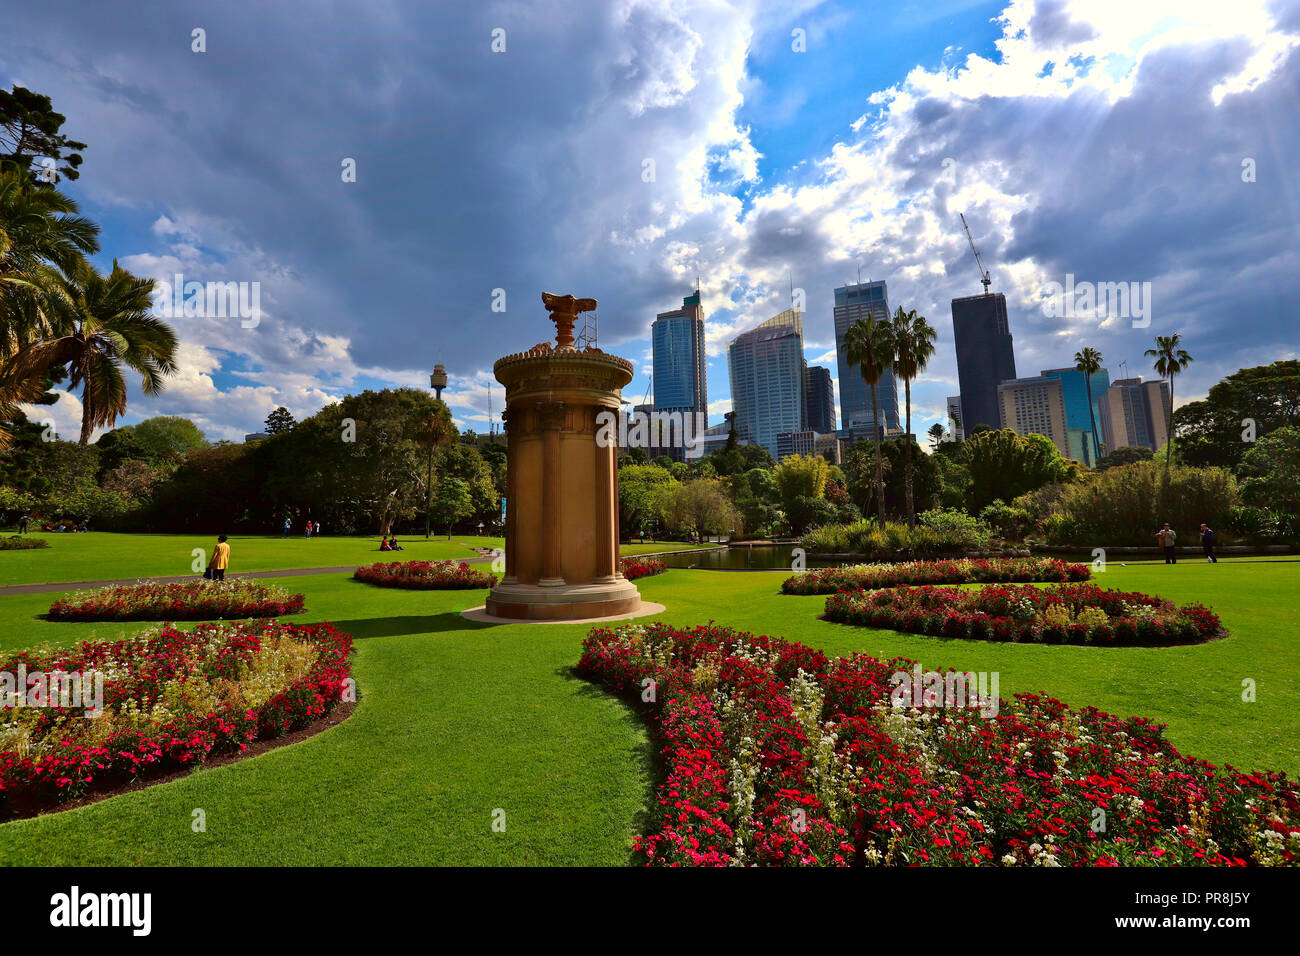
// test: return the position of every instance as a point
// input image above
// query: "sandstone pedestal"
(561, 484)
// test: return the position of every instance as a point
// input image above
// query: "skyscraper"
(1075, 384)
(1034, 406)
(766, 369)
(677, 340)
(818, 399)
(985, 358)
(954, 417)
(1135, 414)
(853, 302)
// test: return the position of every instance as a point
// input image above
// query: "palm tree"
(1169, 361)
(1088, 361)
(39, 228)
(104, 323)
(914, 340)
(869, 345)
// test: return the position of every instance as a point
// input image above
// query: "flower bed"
(1060, 614)
(170, 699)
(775, 755)
(19, 543)
(958, 571)
(191, 601)
(425, 575)
(633, 568)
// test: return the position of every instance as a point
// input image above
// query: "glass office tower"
(985, 358)
(853, 302)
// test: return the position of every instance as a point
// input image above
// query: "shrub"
(633, 568)
(937, 533)
(19, 543)
(171, 699)
(774, 755)
(425, 575)
(1031, 613)
(191, 601)
(1260, 524)
(1125, 505)
(960, 571)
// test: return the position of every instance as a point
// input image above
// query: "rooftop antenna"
(984, 273)
(859, 273)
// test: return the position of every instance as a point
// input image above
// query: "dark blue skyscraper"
(985, 358)
(818, 399)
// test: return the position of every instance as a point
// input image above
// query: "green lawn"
(457, 720)
(100, 555)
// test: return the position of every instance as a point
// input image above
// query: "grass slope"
(458, 720)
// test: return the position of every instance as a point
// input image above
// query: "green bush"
(1260, 525)
(938, 533)
(1125, 505)
(1007, 520)
(19, 543)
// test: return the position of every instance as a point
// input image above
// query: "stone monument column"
(562, 411)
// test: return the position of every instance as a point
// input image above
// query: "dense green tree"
(860, 466)
(164, 437)
(280, 420)
(452, 502)
(641, 498)
(1005, 465)
(1249, 402)
(1271, 471)
(1125, 455)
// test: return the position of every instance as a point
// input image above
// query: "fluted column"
(512, 505)
(552, 419)
(606, 505)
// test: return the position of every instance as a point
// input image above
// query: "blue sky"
(1101, 139)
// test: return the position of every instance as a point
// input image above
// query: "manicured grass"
(97, 556)
(456, 720)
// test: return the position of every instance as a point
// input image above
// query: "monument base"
(534, 602)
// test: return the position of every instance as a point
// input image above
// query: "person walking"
(1207, 543)
(1167, 538)
(317, 529)
(309, 529)
(220, 559)
(287, 526)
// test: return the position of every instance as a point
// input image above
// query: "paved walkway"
(182, 578)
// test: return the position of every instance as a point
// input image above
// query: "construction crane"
(984, 273)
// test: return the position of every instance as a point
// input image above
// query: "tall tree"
(869, 346)
(280, 420)
(914, 340)
(29, 129)
(1170, 359)
(1088, 361)
(936, 435)
(105, 323)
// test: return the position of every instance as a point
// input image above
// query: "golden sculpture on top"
(565, 310)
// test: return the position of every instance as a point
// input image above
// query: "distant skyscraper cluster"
(1053, 403)
(788, 407)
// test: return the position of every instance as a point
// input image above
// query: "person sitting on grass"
(396, 546)
(384, 545)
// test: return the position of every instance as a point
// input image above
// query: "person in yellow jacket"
(220, 558)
